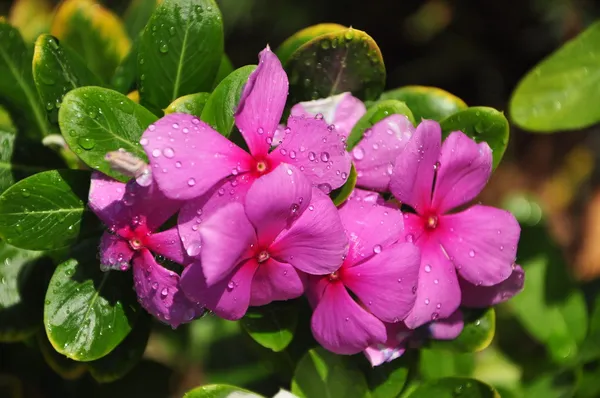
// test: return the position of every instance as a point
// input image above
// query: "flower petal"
(319, 152)
(275, 281)
(168, 244)
(225, 239)
(412, 179)
(342, 110)
(487, 296)
(438, 293)
(370, 227)
(315, 243)
(448, 328)
(482, 243)
(262, 102)
(341, 326)
(366, 196)
(188, 157)
(464, 168)
(193, 212)
(394, 347)
(275, 200)
(158, 291)
(384, 282)
(229, 297)
(105, 197)
(374, 156)
(115, 253)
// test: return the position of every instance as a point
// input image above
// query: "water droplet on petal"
(193, 248)
(312, 156)
(156, 153)
(377, 249)
(191, 182)
(155, 286)
(410, 238)
(358, 153)
(324, 156)
(164, 292)
(471, 253)
(427, 268)
(168, 152)
(144, 141)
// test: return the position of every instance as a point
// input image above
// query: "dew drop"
(168, 152)
(312, 156)
(156, 153)
(377, 249)
(178, 164)
(471, 253)
(144, 141)
(193, 249)
(191, 182)
(358, 153)
(427, 301)
(292, 154)
(164, 292)
(410, 238)
(324, 157)
(427, 268)
(231, 285)
(155, 286)
(86, 143)
(164, 48)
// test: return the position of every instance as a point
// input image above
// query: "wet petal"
(225, 239)
(487, 296)
(464, 168)
(188, 157)
(481, 242)
(277, 199)
(448, 328)
(412, 179)
(262, 102)
(105, 198)
(374, 156)
(384, 282)
(274, 281)
(366, 196)
(341, 326)
(315, 243)
(394, 347)
(167, 244)
(115, 253)
(158, 291)
(342, 110)
(438, 293)
(319, 152)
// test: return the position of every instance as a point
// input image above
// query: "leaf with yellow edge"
(31, 17)
(427, 102)
(295, 41)
(93, 32)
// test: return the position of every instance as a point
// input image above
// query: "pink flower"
(255, 252)
(378, 270)
(479, 243)
(133, 214)
(189, 158)
(374, 155)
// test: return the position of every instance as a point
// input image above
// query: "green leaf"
(46, 211)
(23, 280)
(96, 120)
(137, 15)
(127, 354)
(558, 93)
(225, 69)
(388, 379)
(477, 334)
(294, 42)
(321, 373)
(94, 32)
(17, 90)
(272, 326)
(453, 387)
(377, 112)
(551, 307)
(88, 312)
(31, 17)
(125, 75)
(562, 384)
(20, 158)
(221, 105)
(483, 124)
(333, 63)
(56, 70)
(65, 367)
(591, 345)
(220, 391)
(180, 51)
(427, 102)
(341, 194)
(435, 364)
(192, 104)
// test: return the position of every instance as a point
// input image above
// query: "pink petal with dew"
(448, 328)
(275, 281)
(115, 253)
(394, 346)
(487, 296)
(167, 244)
(262, 102)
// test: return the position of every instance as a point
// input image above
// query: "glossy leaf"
(294, 42)
(192, 104)
(322, 373)
(125, 75)
(561, 384)
(17, 89)
(65, 367)
(95, 121)
(591, 345)
(56, 70)
(452, 387)
(435, 364)
(225, 69)
(556, 94)
(88, 312)
(477, 334)
(31, 17)
(388, 379)
(23, 279)
(180, 51)
(94, 32)
(137, 15)
(272, 326)
(377, 112)
(427, 102)
(220, 391)
(333, 63)
(222, 103)
(341, 194)
(482, 124)
(46, 211)
(21, 157)
(127, 354)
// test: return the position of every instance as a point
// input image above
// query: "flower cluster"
(258, 226)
